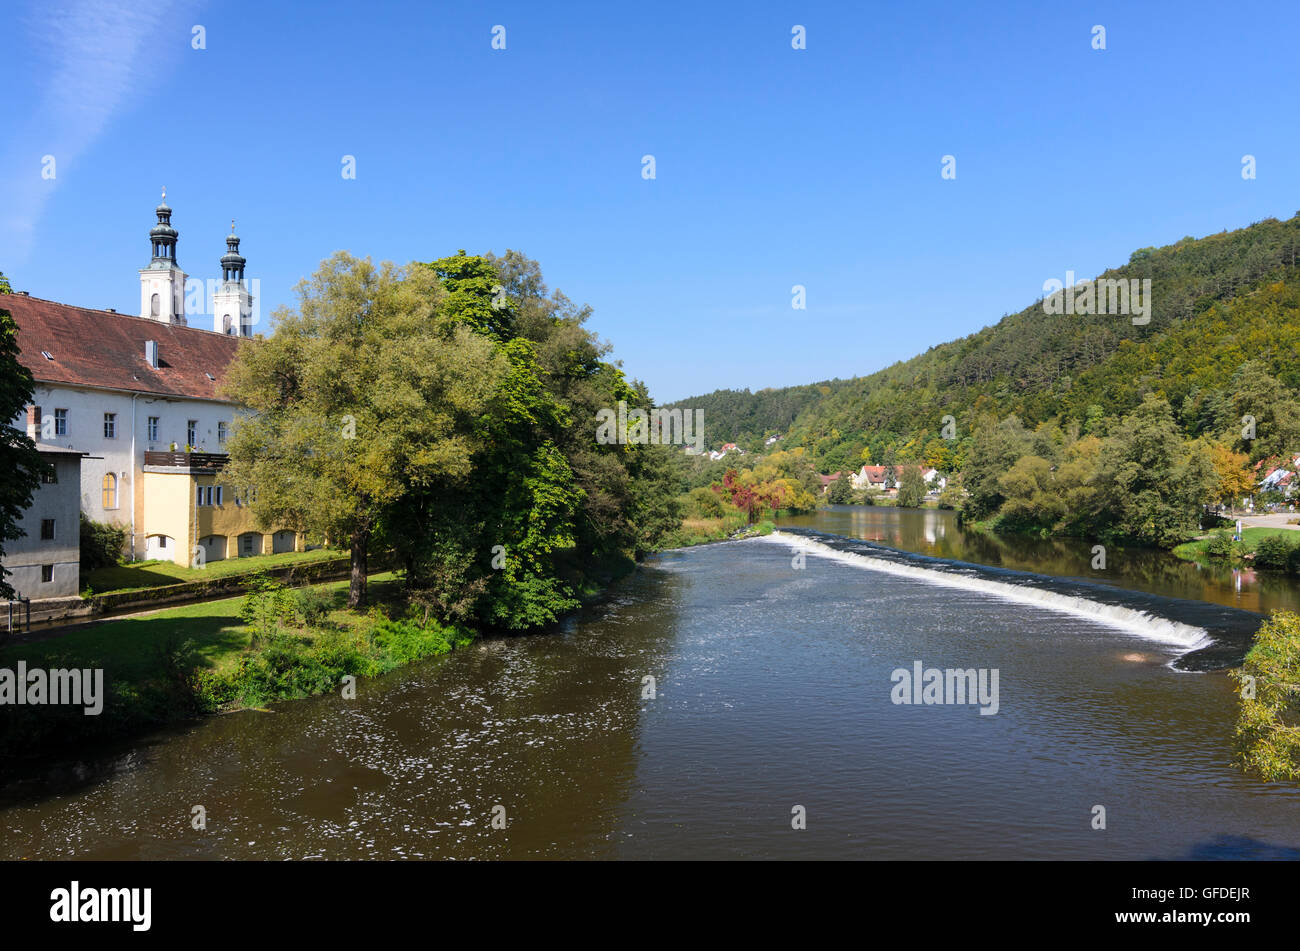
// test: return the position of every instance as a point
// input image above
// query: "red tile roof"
(102, 349)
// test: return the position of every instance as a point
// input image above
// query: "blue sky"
(775, 166)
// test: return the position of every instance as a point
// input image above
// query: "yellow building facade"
(192, 516)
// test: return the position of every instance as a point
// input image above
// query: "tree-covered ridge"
(1218, 301)
(746, 419)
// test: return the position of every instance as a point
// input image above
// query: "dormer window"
(47, 355)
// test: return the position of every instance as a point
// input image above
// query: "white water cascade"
(1184, 637)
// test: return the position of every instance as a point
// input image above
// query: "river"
(772, 665)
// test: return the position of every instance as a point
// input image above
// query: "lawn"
(176, 663)
(142, 575)
(1251, 537)
(128, 648)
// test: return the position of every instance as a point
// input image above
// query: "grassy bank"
(272, 644)
(142, 575)
(1198, 550)
(702, 531)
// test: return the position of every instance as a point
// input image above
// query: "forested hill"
(1217, 302)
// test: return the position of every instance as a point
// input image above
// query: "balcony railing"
(187, 460)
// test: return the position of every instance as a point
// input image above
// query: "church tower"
(162, 283)
(232, 304)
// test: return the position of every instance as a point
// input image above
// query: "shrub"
(1273, 552)
(101, 544)
(312, 605)
(1220, 545)
(267, 604)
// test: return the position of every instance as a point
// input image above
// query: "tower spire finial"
(164, 193)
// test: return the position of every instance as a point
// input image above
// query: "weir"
(1205, 636)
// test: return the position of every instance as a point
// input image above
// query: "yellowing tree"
(1235, 479)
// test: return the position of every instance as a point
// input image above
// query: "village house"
(1278, 478)
(886, 478)
(139, 399)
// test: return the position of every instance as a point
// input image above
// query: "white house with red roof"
(141, 395)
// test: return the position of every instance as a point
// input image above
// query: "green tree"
(1268, 718)
(911, 488)
(21, 465)
(993, 453)
(1152, 485)
(368, 390)
(549, 509)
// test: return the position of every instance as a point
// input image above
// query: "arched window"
(225, 324)
(154, 305)
(110, 491)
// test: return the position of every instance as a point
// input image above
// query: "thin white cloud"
(92, 59)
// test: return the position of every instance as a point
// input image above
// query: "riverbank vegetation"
(275, 643)
(1268, 722)
(1268, 548)
(725, 498)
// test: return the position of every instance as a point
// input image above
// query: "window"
(153, 305)
(50, 476)
(162, 541)
(218, 495)
(60, 422)
(153, 429)
(110, 425)
(221, 434)
(47, 572)
(248, 544)
(192, 432)
(47, 529)
(109, 487)
(47, 355)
